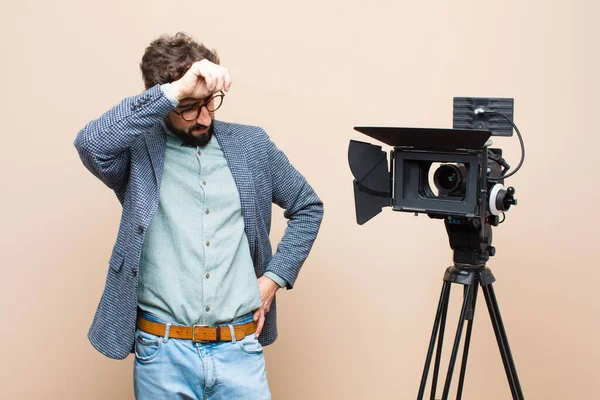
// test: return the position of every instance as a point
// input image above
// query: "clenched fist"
(201, 80)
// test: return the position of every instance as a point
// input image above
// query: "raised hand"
(201, 80)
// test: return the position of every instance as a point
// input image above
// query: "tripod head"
(471, 238)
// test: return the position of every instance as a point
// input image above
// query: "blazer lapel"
(238, 164)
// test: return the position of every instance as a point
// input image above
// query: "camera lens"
(450, 179)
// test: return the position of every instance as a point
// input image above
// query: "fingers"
(210, 81)
(256, 314)
(267, 305)
(267, 288)
(220, 82)
(203, 79)
(217, 78)
(260, 321)
(227, 82)
(221, 79)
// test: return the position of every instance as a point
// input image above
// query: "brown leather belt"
(197, 333)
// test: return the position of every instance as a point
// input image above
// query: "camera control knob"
(501, 199)
(509, 198)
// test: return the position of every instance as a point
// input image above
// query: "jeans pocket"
(250, 344)
(147, 346)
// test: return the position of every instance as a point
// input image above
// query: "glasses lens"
(190, 115)
(215, 103)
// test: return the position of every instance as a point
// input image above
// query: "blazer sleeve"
(303, 210)
(103, 144)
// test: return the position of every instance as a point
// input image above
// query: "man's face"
(192, 131)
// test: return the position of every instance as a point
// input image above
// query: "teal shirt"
(196, 266)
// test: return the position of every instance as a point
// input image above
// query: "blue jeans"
(167, 368)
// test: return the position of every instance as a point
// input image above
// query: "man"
(192, 279)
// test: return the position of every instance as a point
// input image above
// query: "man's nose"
(203, 117)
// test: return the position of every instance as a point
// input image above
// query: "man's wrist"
(175, 92)
(167, 89)
(282, 283)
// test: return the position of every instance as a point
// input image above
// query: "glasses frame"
(199, 108)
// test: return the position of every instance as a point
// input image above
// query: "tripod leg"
(440, 344)
(442, 309)
(459, 329)
(470, 317)
(505, 353)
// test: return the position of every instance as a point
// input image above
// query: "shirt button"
(204, 182)
(207, 211)
(140, 229)
(134, 272)
(207, 276)
(208, 243)
(199, 153)
(207, 309)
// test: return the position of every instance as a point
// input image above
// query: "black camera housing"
(413, 191)
(405, 186)
(468, 170)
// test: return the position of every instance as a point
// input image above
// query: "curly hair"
(168, 58)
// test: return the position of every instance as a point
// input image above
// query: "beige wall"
(357, 324)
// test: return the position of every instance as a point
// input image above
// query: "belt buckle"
(194, 334)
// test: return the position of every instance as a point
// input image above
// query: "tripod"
(472, 276)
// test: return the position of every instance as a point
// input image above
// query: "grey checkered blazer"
(125, 149)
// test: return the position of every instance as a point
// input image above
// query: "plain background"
(357, 324)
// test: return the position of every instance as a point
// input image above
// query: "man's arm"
(304, 211)
(103, 144)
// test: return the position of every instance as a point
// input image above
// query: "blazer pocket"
(116, 261)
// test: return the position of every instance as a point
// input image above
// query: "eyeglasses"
(212, 104)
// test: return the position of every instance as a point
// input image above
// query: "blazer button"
(140, 229)
(134, 272)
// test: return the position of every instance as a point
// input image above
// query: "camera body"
(439, 172)
(450, 174)
(457, 182)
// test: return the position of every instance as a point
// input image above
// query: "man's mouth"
(200, 129)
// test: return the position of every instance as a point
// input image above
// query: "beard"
(187, 136)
